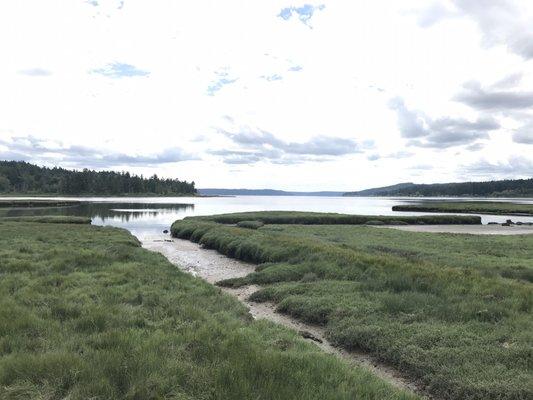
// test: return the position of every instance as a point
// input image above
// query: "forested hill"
(504, 188)
(25, 178)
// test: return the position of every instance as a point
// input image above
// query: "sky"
(327, 95)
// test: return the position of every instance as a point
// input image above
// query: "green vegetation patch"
(48, 219)
(86, 313)
(250, 224)
(478, 207)
(312, 218)
(427, 304)
(14, 203)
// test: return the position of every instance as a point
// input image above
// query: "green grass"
(311, 218)
(435, 307)
(10, 203)
(48, 219)
(491, 255)
(86, 313)
(250, 224)
(478, 207)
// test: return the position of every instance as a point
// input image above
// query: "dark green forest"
(503, 188)
(18, 177)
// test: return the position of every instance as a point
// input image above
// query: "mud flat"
(213, 267)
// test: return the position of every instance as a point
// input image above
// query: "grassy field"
(452, 311)
(490, 255)
(478, 207)
(86, 313)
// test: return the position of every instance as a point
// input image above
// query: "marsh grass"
(312, 218)
(427, 304)
(48, 219)
(478, 207)
(86, 313)
(250, 224)
(10, 203)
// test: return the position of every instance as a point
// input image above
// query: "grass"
(490, 255)
(435, 307)
(86, 313)
(10, 203)
(310, 218)
(48, 219)
(478, 207)
(250, 224)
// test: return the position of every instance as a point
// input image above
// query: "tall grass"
(461, 333)
(478, 207)
(311, 218)
(86, 313)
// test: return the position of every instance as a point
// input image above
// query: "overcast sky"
(327, 95)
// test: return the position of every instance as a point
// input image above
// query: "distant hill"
(380, 190)
(503, 188)
(262, 192)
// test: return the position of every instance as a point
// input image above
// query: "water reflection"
(137, 217)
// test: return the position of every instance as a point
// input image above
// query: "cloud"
(441, 132)
(118, 70)
(501, 22)
(524, 134)
(304, 13)
(514, 167)
(295, 68)
(509, 81)
(271, 78)
(30, 148)
(475, 96)
(396, 155)
(35, 72)
(107, 4)
(259, 145)
(411, 123)
(432, 14)
(222, 80)
(475, 147)
(245, 157)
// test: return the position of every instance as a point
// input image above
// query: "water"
(150, 215)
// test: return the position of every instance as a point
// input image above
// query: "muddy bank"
(213, 266)
(469, 229)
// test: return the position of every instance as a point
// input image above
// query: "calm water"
(148, 215)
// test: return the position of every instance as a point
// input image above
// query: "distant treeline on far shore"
(18, 177)
(503, 188)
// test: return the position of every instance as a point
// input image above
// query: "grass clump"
(477, 207)
(311, 218)
(437, 307)
(250, 224)
(86, 313)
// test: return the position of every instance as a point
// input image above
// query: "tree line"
(25, 178)
(503, 188)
